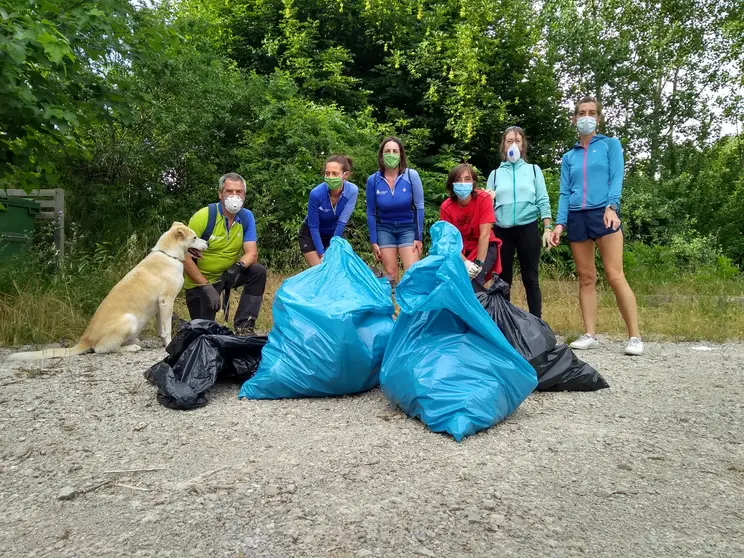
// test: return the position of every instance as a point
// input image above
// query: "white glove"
(547, 236)
(473, 269)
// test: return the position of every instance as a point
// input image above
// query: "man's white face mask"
(233, 204)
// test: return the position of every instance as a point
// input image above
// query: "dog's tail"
(80, 348)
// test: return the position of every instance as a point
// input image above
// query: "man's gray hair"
(233, 176)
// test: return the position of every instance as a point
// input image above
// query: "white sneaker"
(635, 346)
(586, 341)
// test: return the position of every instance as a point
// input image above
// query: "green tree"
(650, 63)
(63, 67)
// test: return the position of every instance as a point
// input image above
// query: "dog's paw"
(166, 341)
(130, 349)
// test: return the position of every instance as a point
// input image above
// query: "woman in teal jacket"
(520, 199)
(589, 209)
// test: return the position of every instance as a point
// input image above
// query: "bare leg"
(611, 250)
(390, 262)
(583, 253)
(312, 258)
(408, 256)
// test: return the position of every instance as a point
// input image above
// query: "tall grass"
(672, 311)
(41, 303)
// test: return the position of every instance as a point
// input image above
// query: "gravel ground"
(653, 466)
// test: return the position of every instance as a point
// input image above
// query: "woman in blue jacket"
(328, 209)
(589, 211)
(395, 209)
(519, 199)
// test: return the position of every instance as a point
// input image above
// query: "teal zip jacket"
(521, 196)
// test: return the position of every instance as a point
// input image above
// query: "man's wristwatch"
(613, 207)
(478, 262)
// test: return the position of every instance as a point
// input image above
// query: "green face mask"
(391, 160)
(334, 183)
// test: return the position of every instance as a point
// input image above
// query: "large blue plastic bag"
(447, 363)
(332, 323)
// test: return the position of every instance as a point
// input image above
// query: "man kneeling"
(230, 260)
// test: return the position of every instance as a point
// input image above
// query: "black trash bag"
(201, 354)
(561, 370)
(530, 336)
(557, 367)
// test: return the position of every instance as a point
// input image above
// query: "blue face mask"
(462, 189)
(586, 125)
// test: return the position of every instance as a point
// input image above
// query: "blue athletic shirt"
(395, 206)
(323, 219)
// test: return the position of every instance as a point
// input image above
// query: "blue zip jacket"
(397, 205)
(591, 178)
(325, 219)
(521, 196)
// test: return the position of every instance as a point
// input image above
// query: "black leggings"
(527, 242)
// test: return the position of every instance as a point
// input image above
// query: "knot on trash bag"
(499, 287)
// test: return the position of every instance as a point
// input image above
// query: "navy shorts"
(395, 235)
(588, 225)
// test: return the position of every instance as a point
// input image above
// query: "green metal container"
(17, 222)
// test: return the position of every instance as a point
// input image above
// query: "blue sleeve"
(417, 190)
(541, 194)
(372, 209)
(565, 192)
(313, 223)
(348, 209)
(617, 170)
(249, 227)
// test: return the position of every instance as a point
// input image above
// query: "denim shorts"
(395, 235)
(587, 225)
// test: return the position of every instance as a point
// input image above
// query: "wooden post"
(59, 215)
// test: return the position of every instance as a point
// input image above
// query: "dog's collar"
(167, 254)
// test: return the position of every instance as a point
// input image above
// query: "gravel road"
(91, 465)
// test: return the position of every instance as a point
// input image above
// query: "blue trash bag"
(332, 323)
(447, 363)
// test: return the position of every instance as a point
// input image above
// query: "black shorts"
(587, 225)
(306, 240)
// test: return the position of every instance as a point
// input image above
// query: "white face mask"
(233, 204)
(512, 153)
(586, 125)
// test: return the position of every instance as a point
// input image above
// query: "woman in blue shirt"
(589, 210)
(395, 209)
(328, 209)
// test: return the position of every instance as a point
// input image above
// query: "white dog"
(150, 289)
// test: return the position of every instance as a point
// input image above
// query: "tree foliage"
(138, 110)
(64, 69)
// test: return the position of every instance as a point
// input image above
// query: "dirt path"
(653, 466)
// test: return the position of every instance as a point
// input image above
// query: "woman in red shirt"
(471, 211)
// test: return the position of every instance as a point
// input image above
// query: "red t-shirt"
(468, 218)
